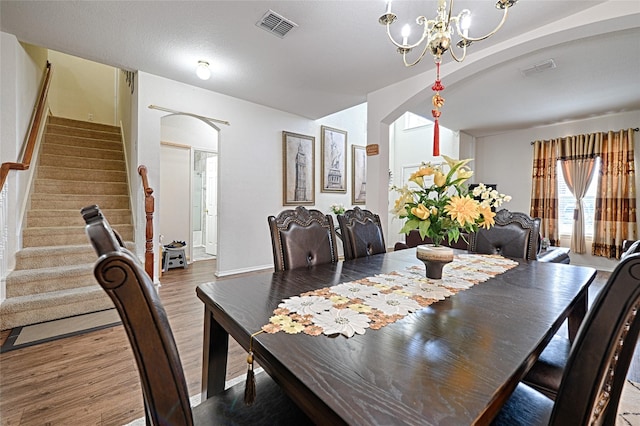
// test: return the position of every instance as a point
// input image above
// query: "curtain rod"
(635, 129)
(215, 120)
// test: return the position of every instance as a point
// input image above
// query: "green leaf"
(424, 227)
(409, 225)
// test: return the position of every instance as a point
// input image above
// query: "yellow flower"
(487, 217)
(464, 174)
(418, 175)
(439, 178)
(453, 162)
(421, 212)
(463, 209)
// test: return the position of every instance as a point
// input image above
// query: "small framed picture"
(359, 175)
(298, 169)
(334, 160)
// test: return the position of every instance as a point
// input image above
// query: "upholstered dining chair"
(598, 363)
(164, 388)
(302, 238)
(514, 234)
(361, 233)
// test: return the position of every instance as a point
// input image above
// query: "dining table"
(454, 360)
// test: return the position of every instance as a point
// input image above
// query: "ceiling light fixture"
(203, 71)
(438, 34)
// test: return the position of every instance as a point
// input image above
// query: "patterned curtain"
(615, 211)
(578, 160)
(544, 191)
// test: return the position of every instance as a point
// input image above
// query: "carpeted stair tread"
(78, 141)
(64, 187)
(83, 152)
(47, 280)
(72, 235)
(83, 133)
(70, 122)
(44, 201)
(20, 311)
(52, 256)
(86, 163)
(65, 173)
(70, 217)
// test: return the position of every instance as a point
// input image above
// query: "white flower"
(343, 321)
(353, 290)
(392, 304)
(306, 304)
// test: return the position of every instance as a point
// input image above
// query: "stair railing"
(36, 124)
(149, 207)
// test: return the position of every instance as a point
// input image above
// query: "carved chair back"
(302, 238)
(514, 234)
(362, 233)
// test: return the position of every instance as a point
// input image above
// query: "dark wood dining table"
(454, 362)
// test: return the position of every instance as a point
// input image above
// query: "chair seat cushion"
(271, 407)
(546, 373)
(525, 407)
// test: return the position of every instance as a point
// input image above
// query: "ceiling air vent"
(276, 24)
(538, 68)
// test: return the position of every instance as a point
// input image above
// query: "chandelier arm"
(410, 46)
(464, 54)
(495, 30)
(404, 57)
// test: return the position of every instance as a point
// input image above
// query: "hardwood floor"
(92, 379)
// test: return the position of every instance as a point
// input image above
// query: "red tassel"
(436, 139)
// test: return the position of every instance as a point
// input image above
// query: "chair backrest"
(302, 238)
(600, 356)
(361, 233)
(513, 235)
(123, 278)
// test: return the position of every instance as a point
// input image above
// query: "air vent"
(276, 24)
(538, 68)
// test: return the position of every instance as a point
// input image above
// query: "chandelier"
(438, 34)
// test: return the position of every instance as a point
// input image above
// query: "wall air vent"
(538, 68)
(276, 24)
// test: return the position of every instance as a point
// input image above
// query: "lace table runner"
(373, 302)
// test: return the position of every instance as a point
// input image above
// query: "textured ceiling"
(339, 53)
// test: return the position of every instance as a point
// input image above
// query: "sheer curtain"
(578, 160)
(544, 190)
(615, 211)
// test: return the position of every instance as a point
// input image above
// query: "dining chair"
(546, 373)
(164, 389)
(302, 238)
(598, 363)
(361, 233)
(514, 234)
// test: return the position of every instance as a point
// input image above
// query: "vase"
(434, 258)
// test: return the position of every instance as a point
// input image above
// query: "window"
(411, 121)
(566, 203)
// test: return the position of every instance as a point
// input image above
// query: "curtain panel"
(544, 190)
(615, 209)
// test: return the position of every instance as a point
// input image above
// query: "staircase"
(81, 163)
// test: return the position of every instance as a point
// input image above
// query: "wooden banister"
(36, 123)
(149, 207)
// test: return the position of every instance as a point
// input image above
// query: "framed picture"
(358, 175)
(298, 169)
(334, 160)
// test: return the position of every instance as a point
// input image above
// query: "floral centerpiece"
(336, 209)
(441, 208)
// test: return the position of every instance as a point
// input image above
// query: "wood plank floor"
(92, 379)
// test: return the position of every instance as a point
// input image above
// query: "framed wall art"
(334, 160)
(358, 175)
(298, 169)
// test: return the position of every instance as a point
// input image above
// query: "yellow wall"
(82, 90)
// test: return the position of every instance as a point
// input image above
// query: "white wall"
(250, 162)
(83, 90)
(175, 177)
(506, 159)
(21, 72)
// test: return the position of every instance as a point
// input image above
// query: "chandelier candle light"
(438, 34)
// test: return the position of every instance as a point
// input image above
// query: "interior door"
(211, 205)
